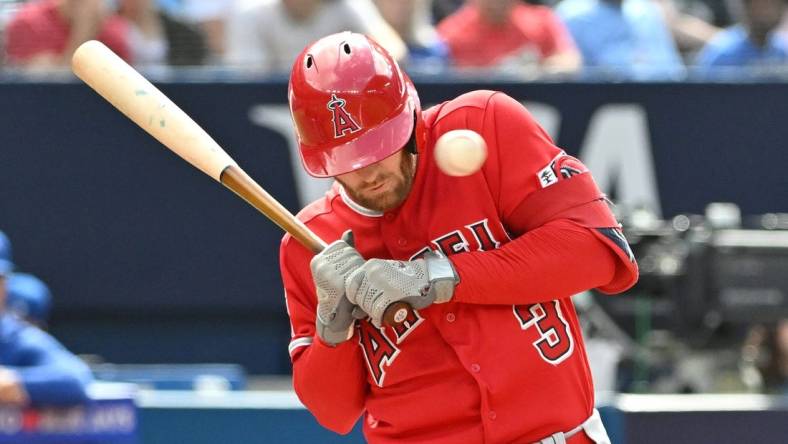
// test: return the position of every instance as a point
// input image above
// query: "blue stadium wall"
(151, 261)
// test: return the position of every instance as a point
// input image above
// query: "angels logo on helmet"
(372, 103)
(342, 120)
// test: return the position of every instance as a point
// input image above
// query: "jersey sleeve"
(517, 149)
(330, 381)
(565, 238)
(554, 261)
(50, 374)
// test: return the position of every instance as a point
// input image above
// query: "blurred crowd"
(629, 39)
(620, 39)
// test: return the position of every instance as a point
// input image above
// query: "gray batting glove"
(330, 268)
(380, 283)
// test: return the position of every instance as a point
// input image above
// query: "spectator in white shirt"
(269, 34)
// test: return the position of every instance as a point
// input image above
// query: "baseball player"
(492, 351)
(35, 369)
(29, 298)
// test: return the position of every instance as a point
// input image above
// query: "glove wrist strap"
(442, 276)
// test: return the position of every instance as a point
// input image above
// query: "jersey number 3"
(555, 340)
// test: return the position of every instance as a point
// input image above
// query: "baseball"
(460, 152)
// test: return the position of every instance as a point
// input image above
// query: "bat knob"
(396, 313)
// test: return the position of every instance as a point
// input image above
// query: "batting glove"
(336, 315)
(380, 283)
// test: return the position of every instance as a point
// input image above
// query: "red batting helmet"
(351, 104)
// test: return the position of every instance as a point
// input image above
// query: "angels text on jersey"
(381, 346)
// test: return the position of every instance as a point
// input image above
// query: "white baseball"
(460, 152)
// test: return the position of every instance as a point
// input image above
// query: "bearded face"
(383, 185)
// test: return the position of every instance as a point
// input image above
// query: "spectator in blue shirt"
(754, 42)
(34, 367)
(623, 38)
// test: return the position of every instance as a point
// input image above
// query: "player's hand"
(380, 283)
(330, 268)
(12, 391)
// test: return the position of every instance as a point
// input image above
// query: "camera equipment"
(700, 274)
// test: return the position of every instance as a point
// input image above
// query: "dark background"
(151, 261)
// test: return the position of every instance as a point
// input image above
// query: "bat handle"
(396, 313)
(236, 179)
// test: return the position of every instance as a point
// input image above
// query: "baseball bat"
(133, 95)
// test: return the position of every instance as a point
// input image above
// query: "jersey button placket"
(388, 231)
(492, 415)
(450, 317)
(476, 368)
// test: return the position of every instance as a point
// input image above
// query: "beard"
(402, 183)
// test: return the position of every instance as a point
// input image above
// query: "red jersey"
(38, 28)
(504, 360)
(530, 29)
